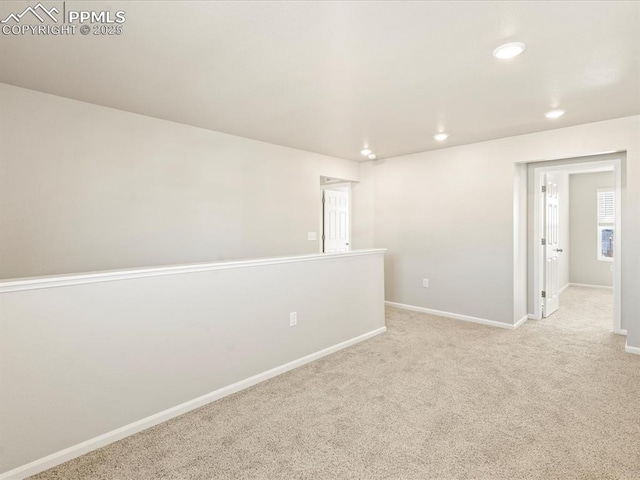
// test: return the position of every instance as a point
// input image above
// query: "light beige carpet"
(433, 398)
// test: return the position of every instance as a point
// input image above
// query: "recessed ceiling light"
(365, 151)
(554, 114)
(441, 137)
(372, 156)
(509, 50)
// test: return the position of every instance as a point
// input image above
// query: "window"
(606, 220)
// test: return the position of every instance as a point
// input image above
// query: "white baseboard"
(521, 321)
(586, 285)
(564, 288)
(531, 316)
(457, 316)
(620, 331)
(629, 349)
(70, 453)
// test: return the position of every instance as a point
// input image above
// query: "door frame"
(335, 186)
(587, 166)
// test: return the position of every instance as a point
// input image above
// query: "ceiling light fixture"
(365, 151)
(509, 50)
(372, 156)
(554, 114)
(441, 137)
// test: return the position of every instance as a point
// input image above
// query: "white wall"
(520, 242)
(86, 188)
(585, 266)
(81, 360)
(448, 215)
(362, 202)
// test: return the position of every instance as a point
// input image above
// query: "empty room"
(319, 240)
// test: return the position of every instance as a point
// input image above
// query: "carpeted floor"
(433, 398)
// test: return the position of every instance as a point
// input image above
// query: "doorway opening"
(336, 216)
(576, 233)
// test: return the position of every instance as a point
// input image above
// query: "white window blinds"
(606, 206)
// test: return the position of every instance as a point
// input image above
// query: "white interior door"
(550, 246)
(336, 221)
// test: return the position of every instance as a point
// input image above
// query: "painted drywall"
(585, 266)
(520, 242)
(448, 215)
(444, 216)
(362, 201)
(82, 360)
(86, 188)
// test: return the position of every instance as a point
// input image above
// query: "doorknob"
(559, 250)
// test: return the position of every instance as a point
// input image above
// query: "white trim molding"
(564, 288)
(70, 453)
(586, 285)
(520, 322)
(458, 316)
(622, 331)
(629, 349)
(53, 281)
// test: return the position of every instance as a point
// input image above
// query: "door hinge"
(544, 294)
(543, 241)
(544, 188)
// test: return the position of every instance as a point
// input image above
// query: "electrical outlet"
(293, 319)
(425, 282)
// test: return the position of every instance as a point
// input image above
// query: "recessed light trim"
(441, 137)
(371, 156)
(553, 114)
(365, 151)
(509, 50)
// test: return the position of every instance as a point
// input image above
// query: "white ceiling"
(329, 77)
